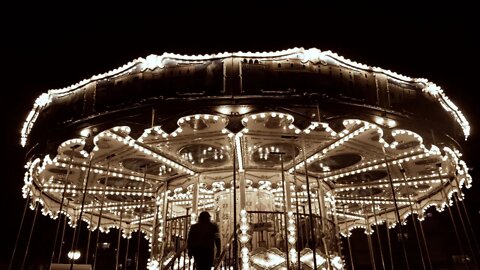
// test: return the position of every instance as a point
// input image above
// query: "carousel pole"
(424, 242)
(465, 212)
(100, 215)
(296, 202)
(447, 203)
(243, 221)
(389, 245)
(309, 200)
(369, 239)
(348, 240)
(465, 231)
(376, 228)
(321, 202)
(195, 195)
(18, 234)
(323, 215)
(234, 188)
(76, 233)
(471, 230)
(164, 216)
(335, 225)
(154, 239)
(63, 236)
(397, 213)
(285, 215)
(89, 238)
(457, 236)
(59, 216)
(117, 253)
(402, 170)
(37, 206)
(137, 254)
(126, 252)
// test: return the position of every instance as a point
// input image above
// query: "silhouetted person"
(202, 238)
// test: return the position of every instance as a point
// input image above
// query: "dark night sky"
(45, 49)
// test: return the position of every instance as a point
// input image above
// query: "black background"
(53, 47)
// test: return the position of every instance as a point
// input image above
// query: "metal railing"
(179, 260)
(175, 246)
(266, 231)
(226, 259)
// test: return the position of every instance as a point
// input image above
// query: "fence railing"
(267, 230)
(227, 257)
(175, 246)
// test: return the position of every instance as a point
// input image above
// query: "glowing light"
(74, 255)
(337, 262)
(85, 132)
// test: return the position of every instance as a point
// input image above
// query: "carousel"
(289, 151)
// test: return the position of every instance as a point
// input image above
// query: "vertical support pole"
(335, 224)
(424, 240)
(117, 253)
(368, 232)
(195, 191)
(285, 215)
(244, 237)
(348, 240)
(76, 233)
(88, 240)
(137, 254)
(402, 170)
(457, 236)
(297, 221)
(323, 214)
(465, 212)
(396, 207)
(242, 190)
(389, 245)
(37, 206)
(234, 189)
(161, 233)
(60, 210)
(18, 235)
(309, 201)
(244, 226)
(126, 251)
(100, 216)
(63, 236)
(470, 246)
(376, 228)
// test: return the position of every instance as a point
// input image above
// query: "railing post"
(163, 223)
(196, 187)
(244, 226)
(291, 237)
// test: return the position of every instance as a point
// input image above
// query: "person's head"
(204, 217)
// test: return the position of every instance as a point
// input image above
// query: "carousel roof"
(171, 121)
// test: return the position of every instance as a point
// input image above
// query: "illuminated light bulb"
(292, 240)
(244, 238)
(74, 255)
